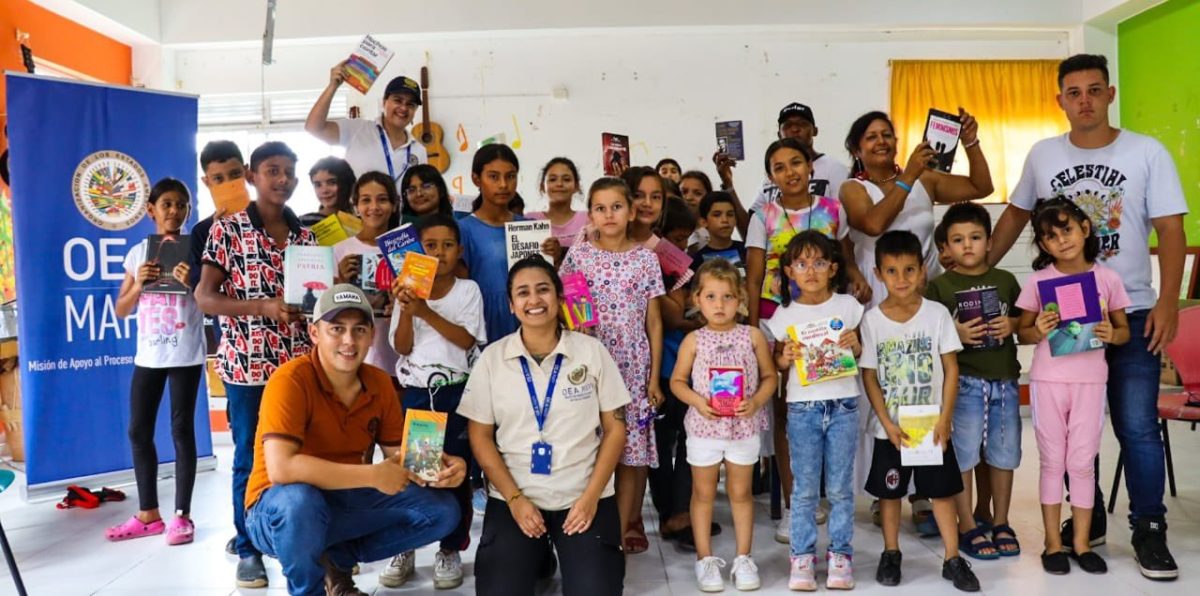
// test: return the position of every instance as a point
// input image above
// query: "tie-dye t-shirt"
(773, 226)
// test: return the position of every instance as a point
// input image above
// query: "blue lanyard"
(387, 154)
(541, 413)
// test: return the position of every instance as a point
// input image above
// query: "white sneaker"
(708, 574)
(745, 573)
(822, 514)
(399, 570)
(841, 572)
(783, 531)
(804, 574)
(447, 570)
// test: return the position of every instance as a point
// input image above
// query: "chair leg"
(1112, 495)
(12, 563)
(1170, 460)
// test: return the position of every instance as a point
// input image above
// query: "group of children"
(732, 309)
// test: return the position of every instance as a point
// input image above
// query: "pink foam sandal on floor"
(134, 528)
(181, 530)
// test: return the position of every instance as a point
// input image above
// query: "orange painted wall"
(61, 41)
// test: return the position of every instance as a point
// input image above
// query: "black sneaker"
(1058, 563)
(1091, 562)
(1096, 534)
(1150, 550)
(958, 570)
(251, 573)
(888, 573)
(231, 546)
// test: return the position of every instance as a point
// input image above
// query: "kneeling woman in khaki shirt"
(546, 421)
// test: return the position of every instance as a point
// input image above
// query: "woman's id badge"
(541, 458)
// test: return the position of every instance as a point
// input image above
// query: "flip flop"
(1001, 541)
(134, 528)
(180, 530)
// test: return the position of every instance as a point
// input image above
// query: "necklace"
(885, 180)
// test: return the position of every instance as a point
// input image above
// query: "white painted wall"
(665, 88)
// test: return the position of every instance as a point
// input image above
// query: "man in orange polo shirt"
(313, 501)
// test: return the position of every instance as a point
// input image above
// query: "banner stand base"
(49, 491)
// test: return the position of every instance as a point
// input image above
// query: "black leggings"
(145, 395)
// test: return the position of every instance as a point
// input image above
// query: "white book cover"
(524, 238)
(917, 422)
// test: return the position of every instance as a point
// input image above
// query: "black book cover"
(167, 251)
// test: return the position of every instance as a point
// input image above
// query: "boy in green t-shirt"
(987, 415)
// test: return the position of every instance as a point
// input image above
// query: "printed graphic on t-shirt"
(1099, 190)
(159, 320)
(906, 371)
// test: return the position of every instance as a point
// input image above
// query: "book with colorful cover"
(821, 357)
(398, 242)
(417, 273)
(674, 262)
(525, 238)
(230, 196)
(1076, 299)
(918, 422)
(615, 149)
(579, 308)
(726, 389)
(369, 278)
(167, 251)
(941, 132)
(307, 273)
(366, 62)
(729, 139)
(979, 303)
(424, 441)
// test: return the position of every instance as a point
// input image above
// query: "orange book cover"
(231, 196)
(418, 272)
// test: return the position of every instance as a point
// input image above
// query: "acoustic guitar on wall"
(430, 133)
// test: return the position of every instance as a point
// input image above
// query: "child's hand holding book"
(849, 341)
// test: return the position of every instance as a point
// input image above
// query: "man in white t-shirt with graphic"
(796, 121)
(1128, 185)
(382, 145)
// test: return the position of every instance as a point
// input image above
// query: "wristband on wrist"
(972, 143)
(515, 496)
(904, 185)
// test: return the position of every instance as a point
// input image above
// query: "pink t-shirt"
(568, 232)
(1081, 367)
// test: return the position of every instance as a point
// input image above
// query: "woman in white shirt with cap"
(546, 410)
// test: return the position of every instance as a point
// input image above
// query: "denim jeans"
(987, 417)
(242, 402)
(446, 399)
(1133, 374)
(822, 432)
(297, 523)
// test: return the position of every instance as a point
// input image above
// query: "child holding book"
(1066, 378)
(822, 413)
(243, 282)
(437, 341)
(171, 348)
(725, 374)
(625, 279)
(908, 359)
(560, 183)
(333, 182)
(425, 192)
(375, 203)
(987, 413)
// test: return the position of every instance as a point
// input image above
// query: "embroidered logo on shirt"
(578, 375)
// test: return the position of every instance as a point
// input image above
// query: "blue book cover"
(397, 243)
(1077, 301)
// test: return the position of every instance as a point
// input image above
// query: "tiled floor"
(64, 552)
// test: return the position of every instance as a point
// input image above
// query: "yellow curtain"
(1013, 100)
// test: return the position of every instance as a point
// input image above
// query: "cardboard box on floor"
(1167, 373)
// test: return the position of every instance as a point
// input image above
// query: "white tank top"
(916, 217)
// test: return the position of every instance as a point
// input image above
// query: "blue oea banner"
(83, 158)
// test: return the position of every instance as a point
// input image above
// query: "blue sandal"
(1001, 541)
(967, 544)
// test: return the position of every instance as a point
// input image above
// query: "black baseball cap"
(403, 84)
(792, 109)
